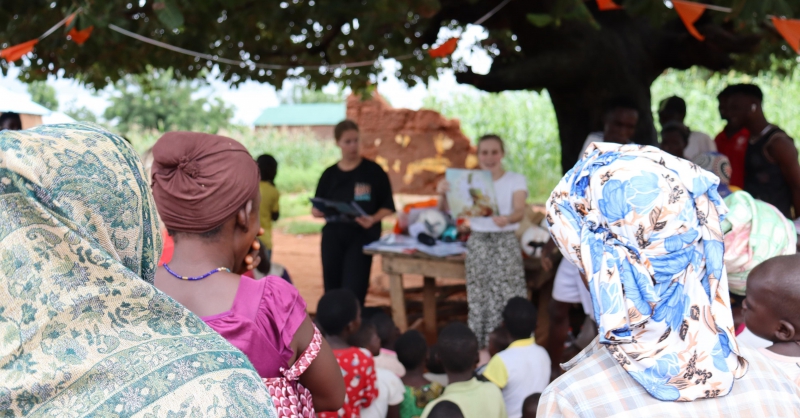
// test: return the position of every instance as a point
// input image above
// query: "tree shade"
(583, 56)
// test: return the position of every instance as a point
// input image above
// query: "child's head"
(530, 405)
(411, 350)
(519, 318)
(499, 340)
(268, 166)
(434, 362)
(446, 409)
(772, 305)
(366, 337)
(458, 348)
(387, 330)
(338, 312)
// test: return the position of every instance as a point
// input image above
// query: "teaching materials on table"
(471, 193)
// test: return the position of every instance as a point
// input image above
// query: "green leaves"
(168, 13)
(540, 20)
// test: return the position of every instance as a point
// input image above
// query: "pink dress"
(262, 322)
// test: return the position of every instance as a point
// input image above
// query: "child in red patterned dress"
(339, 315)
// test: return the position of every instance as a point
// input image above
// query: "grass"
(296, 227)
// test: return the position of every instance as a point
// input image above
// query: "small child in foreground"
(772, 310)
(446, 409)
(388, 334)
(270, 198)
(390, 387)
(412, 350)
(524, 367)
(339, 314)
(434, 366)
(458, 350)
(530, 405)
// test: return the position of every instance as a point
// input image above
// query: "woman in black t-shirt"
(352, 179)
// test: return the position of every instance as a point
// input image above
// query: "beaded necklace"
(178, 276)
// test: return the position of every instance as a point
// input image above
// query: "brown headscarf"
(201, 180)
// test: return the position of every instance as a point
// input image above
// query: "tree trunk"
(583, 67)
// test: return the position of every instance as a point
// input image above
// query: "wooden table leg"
(398, 299)
(429, 308)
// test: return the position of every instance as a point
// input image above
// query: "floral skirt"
(494, 275)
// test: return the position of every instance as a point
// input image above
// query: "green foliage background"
(525, 120)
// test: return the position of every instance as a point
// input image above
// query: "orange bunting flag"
(444, 50)
(80, 36)
(604, 5)
(790, 30)
(16, 52)
(689, 13)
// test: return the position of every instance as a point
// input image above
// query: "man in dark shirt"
(771, 171)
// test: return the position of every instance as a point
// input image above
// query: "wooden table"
(395, 265)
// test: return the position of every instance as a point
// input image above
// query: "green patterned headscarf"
(82, 330)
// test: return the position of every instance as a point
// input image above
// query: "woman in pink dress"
(206, 191)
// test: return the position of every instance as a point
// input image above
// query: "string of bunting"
(690, 12)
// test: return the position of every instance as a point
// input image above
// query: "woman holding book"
(352, 179)
(494, 260)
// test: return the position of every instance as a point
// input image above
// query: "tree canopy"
(156, 101)
(581, 55)
(44, 94)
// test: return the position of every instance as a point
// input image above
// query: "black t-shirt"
(367, 185)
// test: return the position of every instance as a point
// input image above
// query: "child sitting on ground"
(524, 367)
(458, 350)
(446, 409)
(339, 314)
(390, 387)
(434, 366)
(270, 198)
(419, 391)
(499, 340)
(388, 333)
(772, 310)
(530, 405)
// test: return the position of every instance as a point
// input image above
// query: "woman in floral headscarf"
(643, 227)
(84, 333)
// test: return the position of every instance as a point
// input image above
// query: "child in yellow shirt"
(270, 206)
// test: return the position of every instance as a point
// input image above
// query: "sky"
(251, 98)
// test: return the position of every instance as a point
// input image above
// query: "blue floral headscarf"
(644, 229)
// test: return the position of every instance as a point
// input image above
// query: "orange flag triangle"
(16, 52)
(604, 5)
(689, 13)
(790, 30)
(445, 49)
(80, 36)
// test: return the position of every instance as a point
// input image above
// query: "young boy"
(419, 391)
(772, 310)
(339, 315)
(388, 334)
(390, 387)
(270, 207)
(458, 350)
(524, 367)
(530, 405)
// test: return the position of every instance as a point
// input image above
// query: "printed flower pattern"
(82, 330)
(644, 227)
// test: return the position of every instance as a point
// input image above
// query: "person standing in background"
(732, 141)
(352, 179)
(771, 170)
(494, 268)
(619, 123)
(270, 202)
(673, 109)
